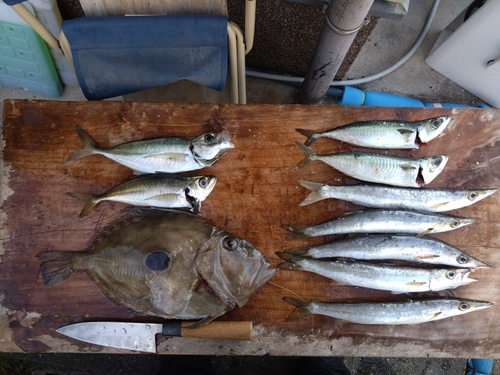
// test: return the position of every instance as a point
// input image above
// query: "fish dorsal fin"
(407, 167)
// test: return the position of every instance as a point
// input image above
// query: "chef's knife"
(142, 336)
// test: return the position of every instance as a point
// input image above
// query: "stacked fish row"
(164, 263)
(394, 230)
(157, 160)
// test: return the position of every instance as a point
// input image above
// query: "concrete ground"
(389, 41)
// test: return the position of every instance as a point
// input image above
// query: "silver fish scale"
(377, 168)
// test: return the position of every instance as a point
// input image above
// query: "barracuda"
(396, 198)
(402, 312)
(388, 247)
(380, 276)
(382, 221)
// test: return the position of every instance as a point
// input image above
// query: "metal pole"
(343, 20)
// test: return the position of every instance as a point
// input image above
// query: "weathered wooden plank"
(256, 193)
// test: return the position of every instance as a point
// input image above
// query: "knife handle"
(219, 330)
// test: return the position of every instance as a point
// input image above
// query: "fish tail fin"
(308, 155)
(316, 195)
(89, 146)
(297, 230)
(297, 250)
(56, 266)
(290, 261)
(301, 309)
(90, 202)
(311, 135)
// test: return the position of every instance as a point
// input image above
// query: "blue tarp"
(119, 55)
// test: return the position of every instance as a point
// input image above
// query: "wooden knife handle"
(219, 330)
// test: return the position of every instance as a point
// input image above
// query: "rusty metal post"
(343, 20)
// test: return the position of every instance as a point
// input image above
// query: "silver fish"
(169, 264)
(396, 198)
(383, 134)
(382, 221)
(168, 154)
(380, 276)
(392, 313)
(386, 247)
(379, 168)
(155, 190)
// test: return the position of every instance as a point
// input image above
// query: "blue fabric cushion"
(119, 55)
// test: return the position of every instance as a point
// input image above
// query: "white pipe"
(31, 20)
(416, 45)
(233, 65)
(242, 90)
(250, 6)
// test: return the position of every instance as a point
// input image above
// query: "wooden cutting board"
(256, 193)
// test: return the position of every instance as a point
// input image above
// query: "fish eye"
(230, 243)
(462, 259)
(436, 162)
(451, 274)
(209, 137)
(455, 223)
(203, 182)
(436, 123)
(472, 195)
(462, 306)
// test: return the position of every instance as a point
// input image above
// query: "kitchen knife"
(142, 336)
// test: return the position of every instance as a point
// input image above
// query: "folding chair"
(92, 45)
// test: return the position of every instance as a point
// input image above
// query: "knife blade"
(142, 336)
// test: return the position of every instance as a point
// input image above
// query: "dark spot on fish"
(158, 261)
(420, 178)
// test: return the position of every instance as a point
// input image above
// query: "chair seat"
(115, 56)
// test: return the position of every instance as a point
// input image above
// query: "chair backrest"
(115, 56)
(103, 8)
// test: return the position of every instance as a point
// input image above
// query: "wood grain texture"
(256, 193)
